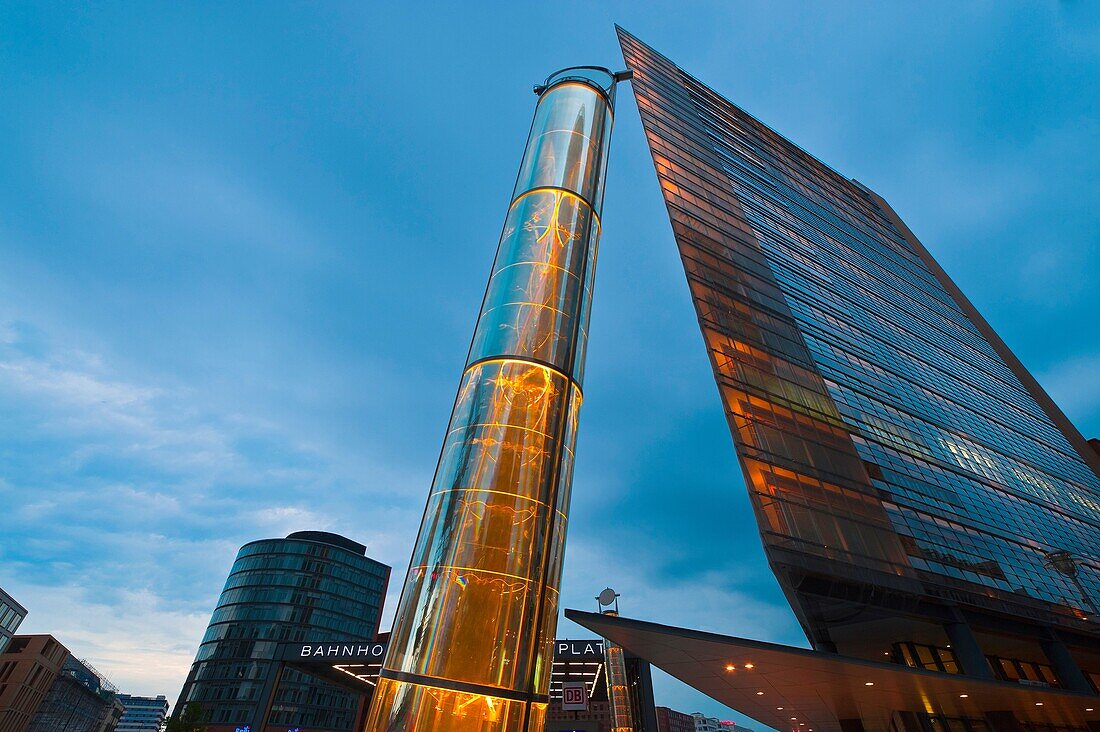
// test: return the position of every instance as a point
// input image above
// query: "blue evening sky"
(242, 247)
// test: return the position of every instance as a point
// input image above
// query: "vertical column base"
(967, 651)
(400, 706)
(646, 704)
(851, 725)
(1003, 722)
(271, 689)
(1065, 667)
(908, 722)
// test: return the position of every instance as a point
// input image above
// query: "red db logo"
(574, 696)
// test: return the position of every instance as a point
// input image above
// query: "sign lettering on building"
(574, 696)
(564, 649)
(578, 648)
(342, 650)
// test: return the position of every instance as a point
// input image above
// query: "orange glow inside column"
(472, 642)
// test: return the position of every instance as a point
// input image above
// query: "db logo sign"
(574, 696)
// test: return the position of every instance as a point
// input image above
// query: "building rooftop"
(325, 537)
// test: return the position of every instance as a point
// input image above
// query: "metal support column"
(1003, 722)
(967, 651)
(1064, 665)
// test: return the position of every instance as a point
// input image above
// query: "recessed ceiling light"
(869, 683)
(963, 696)
(760, 693)
(1088, 709)
(730, 667)
(793, 718)
(780, 709)
(1038, 704)
(749, 665)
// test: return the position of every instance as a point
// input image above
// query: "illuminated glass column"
(472, 643)
(618, 685)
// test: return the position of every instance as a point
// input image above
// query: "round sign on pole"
(607, 597)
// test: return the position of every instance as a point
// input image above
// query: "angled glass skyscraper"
(921, 499)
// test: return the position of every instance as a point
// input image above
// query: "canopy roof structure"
(802, 690)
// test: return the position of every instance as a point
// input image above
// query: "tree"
(190, 718)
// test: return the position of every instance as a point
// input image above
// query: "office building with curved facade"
(11, 615)
(930, 513)
(312, 585)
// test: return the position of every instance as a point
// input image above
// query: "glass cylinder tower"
(471, 648)
(618, 685)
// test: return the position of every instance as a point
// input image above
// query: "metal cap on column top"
(472, 644)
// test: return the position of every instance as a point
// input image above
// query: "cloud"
(130, 497)
(237, 278)
(139, 642)
(72, 393)
(286, 519)
(73, 388)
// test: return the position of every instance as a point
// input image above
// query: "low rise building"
(28, 667)
(79, 700)
(11, 615)
(43, 688)
(142, 713)
(670, 720)
(703, 723)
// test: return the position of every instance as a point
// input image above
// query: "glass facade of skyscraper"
(918, 495)
(311, 586)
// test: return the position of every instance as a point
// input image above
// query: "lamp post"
(1064, 564)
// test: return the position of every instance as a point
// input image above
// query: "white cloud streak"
(130, 498)
(140, 642)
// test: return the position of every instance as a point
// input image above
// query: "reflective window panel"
(894, 450)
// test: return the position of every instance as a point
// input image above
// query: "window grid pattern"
(877, 428)
(280, 591)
